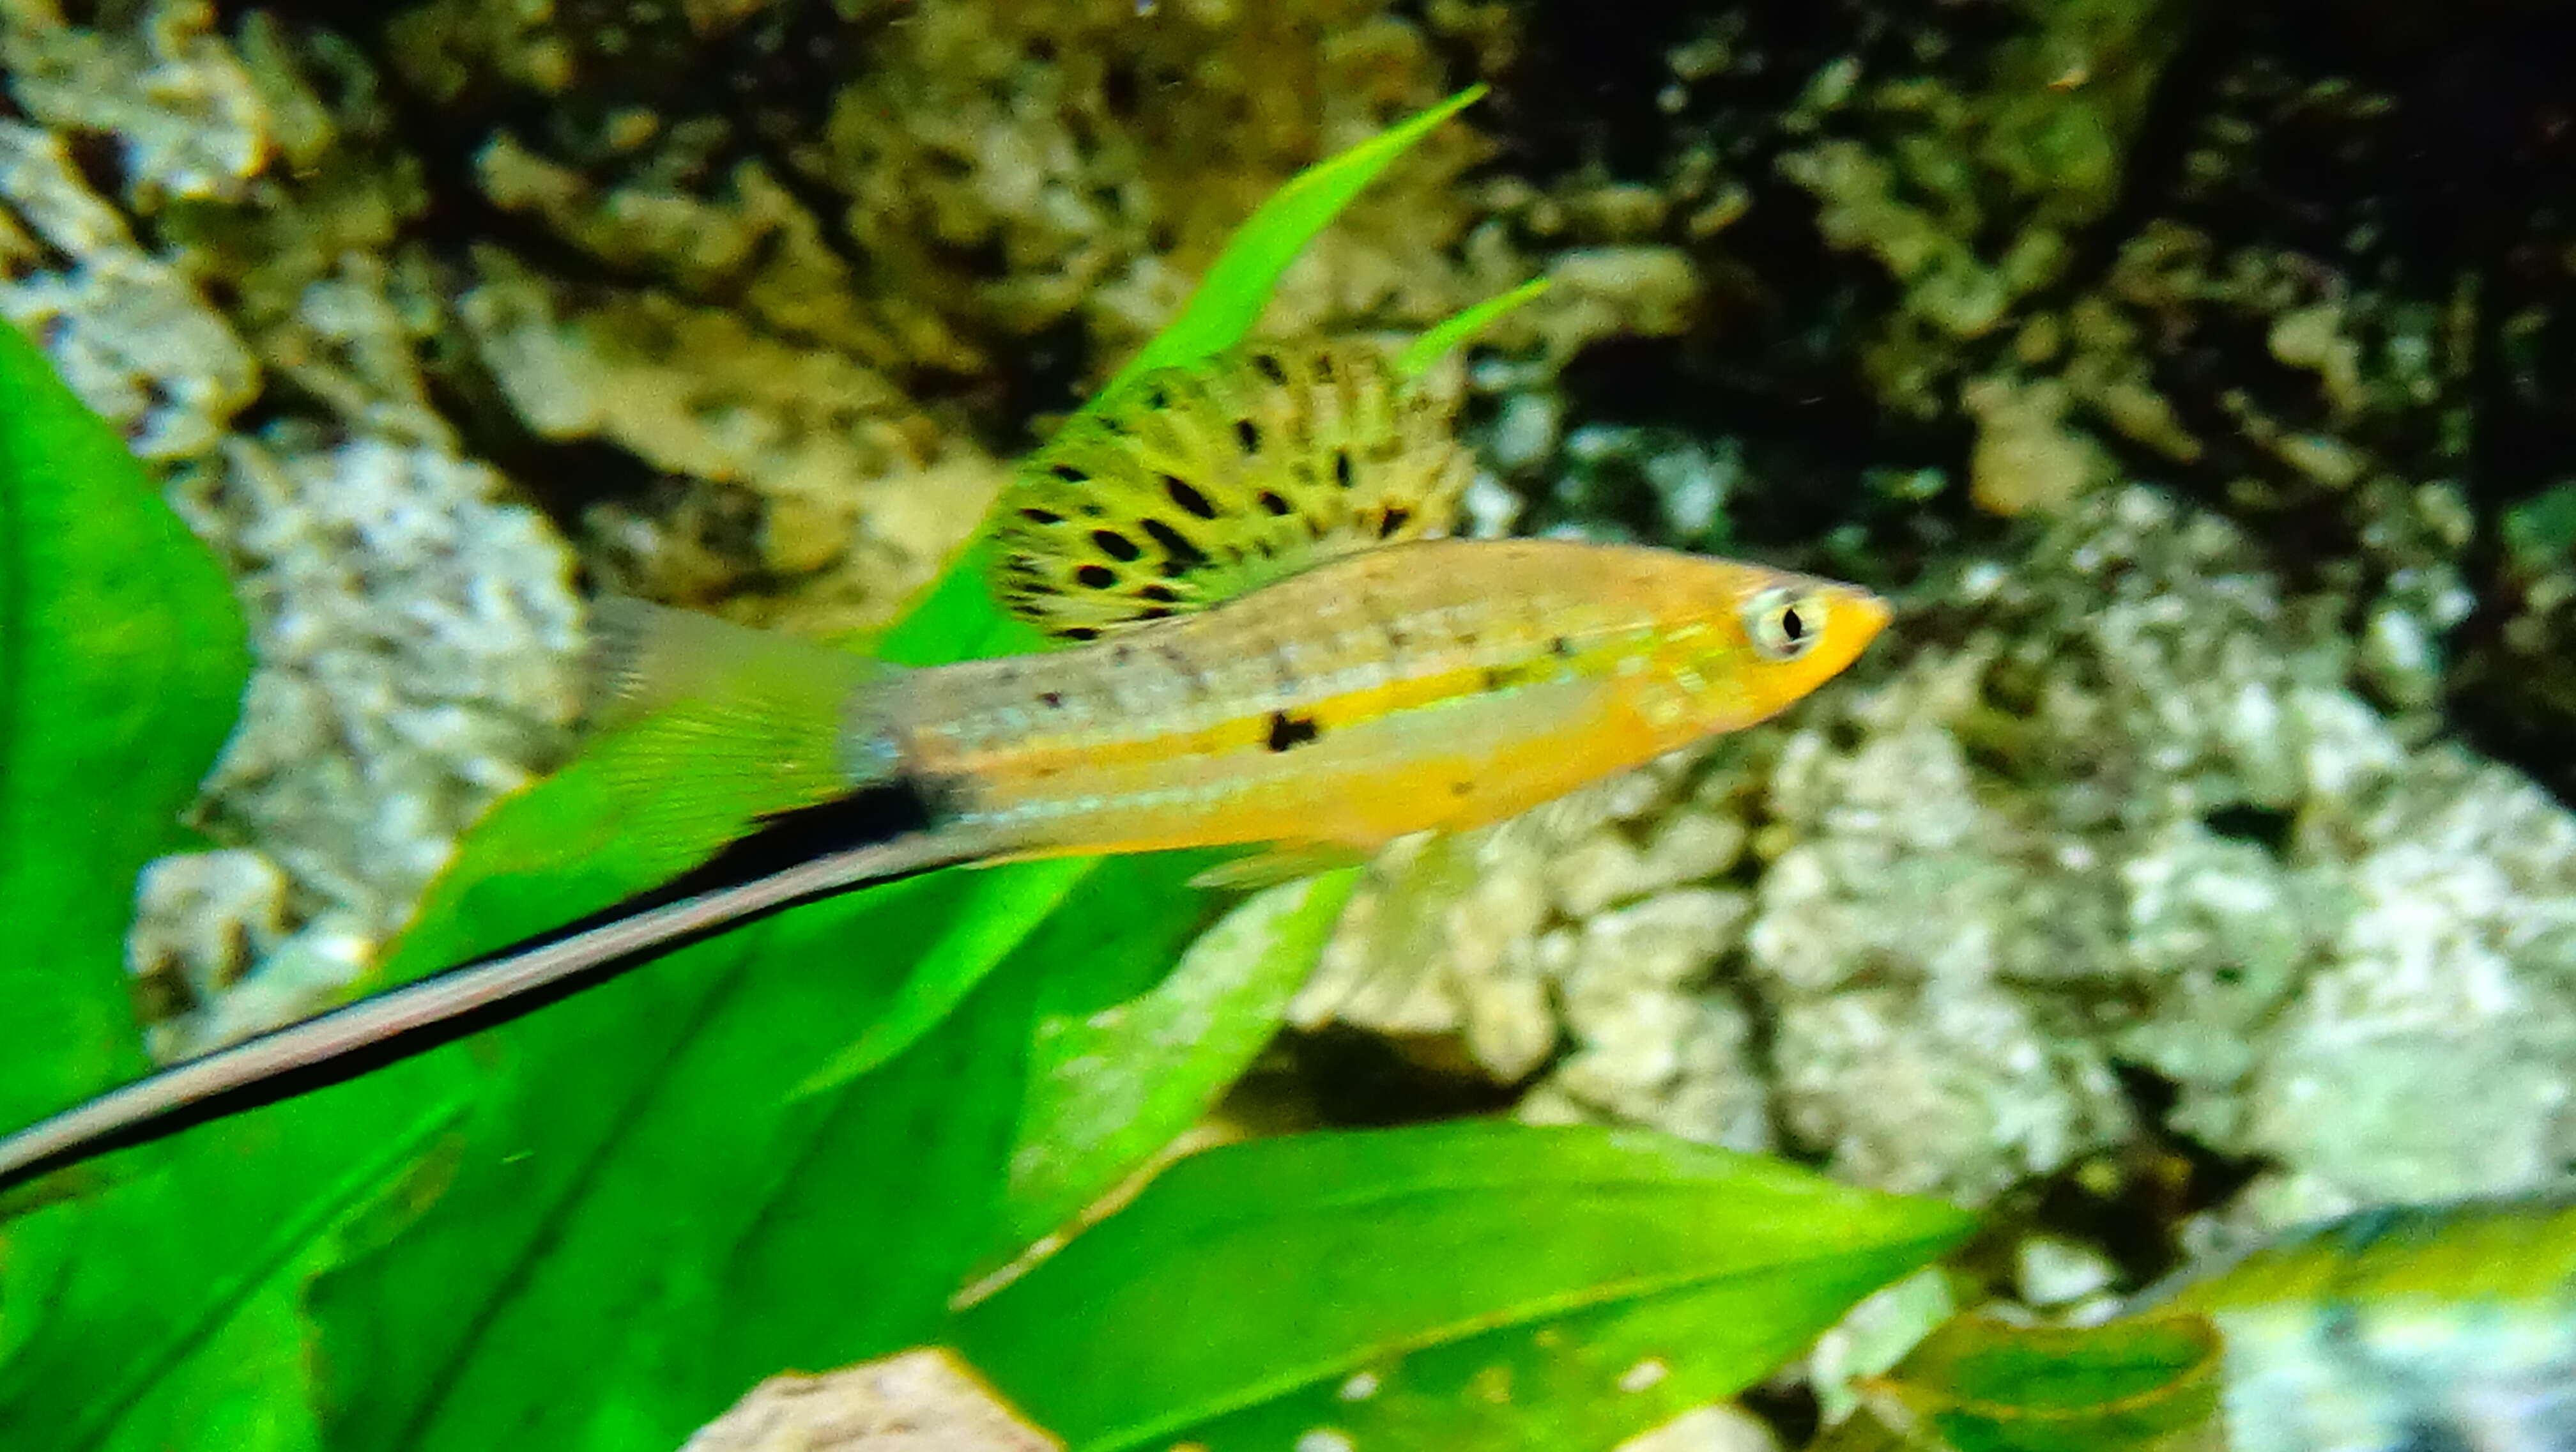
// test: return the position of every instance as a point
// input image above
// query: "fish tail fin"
(704, 728)
(428, 1012)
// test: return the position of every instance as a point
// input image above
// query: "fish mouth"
(1874, 610)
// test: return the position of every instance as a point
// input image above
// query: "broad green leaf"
(1594, 1280)
(2143, 1384)
(1000, 910)
(121, 665)
(651, 1220)
(1111, 1087)
(121, 668)
(139, 1343)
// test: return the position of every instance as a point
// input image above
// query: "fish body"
(1269, 651)
(1436, 685)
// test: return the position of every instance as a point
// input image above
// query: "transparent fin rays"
(704, 727)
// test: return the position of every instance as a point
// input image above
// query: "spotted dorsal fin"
(1195, 483)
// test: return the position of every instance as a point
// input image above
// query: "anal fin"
(1277, 865)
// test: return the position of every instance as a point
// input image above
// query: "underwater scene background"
(2191, 858)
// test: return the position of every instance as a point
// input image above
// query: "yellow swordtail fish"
(1268, 650)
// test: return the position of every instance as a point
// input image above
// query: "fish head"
(1762, 639)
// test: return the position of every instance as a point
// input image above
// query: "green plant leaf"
(1450, 333)
(1238, 284)
(980, 933)
(2142, 1384)
(551, 1225)
(1459, 1285)
(1111, 1087)
(956, 616)
(121, 667)
(616, 1206)
(643, 1174)
(122, 658)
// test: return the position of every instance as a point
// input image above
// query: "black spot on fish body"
(1069, 474)
(1159, 594)
(1395, 518)
(1180, 556)
(1268, 366)
(1324, 367)
(1035, 515)
(1081, 632)
(1095, 577)
(1118, 546)
(1189, 499)
(1248, 434)
(1052, 700)
(1342, 467)
(1272, 504)
(1287, 731)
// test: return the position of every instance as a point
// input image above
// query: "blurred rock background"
(2201, 379)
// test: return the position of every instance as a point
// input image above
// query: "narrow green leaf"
(956, 617)
(2140, 1384)
(1238, 284)
(1110, 1088)
(2489, 1255)
(1263, 1290)
(1450, 333)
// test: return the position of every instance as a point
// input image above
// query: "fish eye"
(1784, 624)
